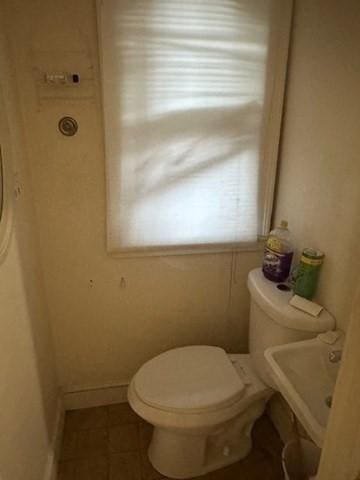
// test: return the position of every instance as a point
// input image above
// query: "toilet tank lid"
(275, 303)
(192, 378)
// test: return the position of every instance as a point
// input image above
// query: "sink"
(306, 377)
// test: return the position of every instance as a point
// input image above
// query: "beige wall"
(104, 328)
(28, 385)
(340, 458)
(319, 187)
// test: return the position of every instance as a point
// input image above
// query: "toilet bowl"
(202, 401)
(202, 421)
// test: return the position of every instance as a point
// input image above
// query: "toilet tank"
(274, 322)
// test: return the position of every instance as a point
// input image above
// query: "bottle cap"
(313, 254)
(284, 224)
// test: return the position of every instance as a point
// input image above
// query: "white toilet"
(202, 401)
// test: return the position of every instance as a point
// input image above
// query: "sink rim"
(297, 401)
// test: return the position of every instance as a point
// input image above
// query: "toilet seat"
(191, 379)
(206, 419)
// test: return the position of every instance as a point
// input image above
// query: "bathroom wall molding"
(55, 443)
(85, 396)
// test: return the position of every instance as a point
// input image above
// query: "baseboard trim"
(55, 444)
(94, 395)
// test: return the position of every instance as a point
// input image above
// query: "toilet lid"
(189, 378)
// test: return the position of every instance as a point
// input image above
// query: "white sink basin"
(306, 378)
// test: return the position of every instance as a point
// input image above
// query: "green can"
(308, 273)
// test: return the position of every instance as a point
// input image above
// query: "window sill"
(187, 250)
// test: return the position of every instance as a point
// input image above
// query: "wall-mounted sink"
(305, 373)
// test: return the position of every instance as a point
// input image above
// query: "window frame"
(276, 86)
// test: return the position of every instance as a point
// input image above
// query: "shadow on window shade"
(183, 100)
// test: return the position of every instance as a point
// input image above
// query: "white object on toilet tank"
(305, 305)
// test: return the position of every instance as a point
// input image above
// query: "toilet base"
(188, 453)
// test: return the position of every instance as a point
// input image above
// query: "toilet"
(202, 401)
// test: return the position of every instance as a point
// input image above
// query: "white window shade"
(192, 94)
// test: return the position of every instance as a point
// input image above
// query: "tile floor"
(110, 443)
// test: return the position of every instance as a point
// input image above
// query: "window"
(192, 96)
